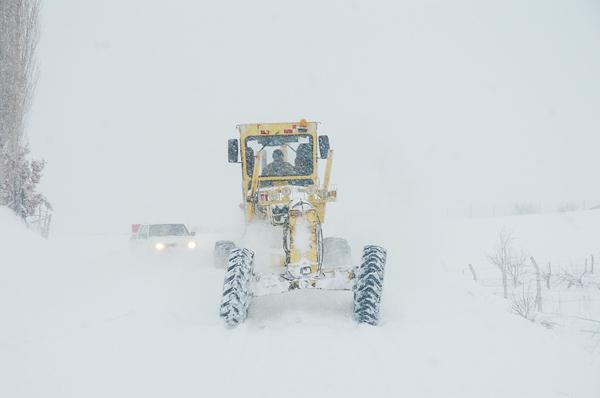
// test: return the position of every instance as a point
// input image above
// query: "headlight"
(159, 246)
(191, 245)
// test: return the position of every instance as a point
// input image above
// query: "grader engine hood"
(293, 209)
(302, 240)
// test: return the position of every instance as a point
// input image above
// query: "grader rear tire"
(369, 285)
(236, 287)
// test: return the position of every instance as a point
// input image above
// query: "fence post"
(538, 285)
(473, 272)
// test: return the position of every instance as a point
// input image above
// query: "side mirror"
(233, 150)
(323, 146)
(193, 233)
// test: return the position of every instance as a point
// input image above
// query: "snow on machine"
(284, 202)
(163, 237)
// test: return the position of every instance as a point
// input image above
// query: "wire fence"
(566, 296)
(40, 221)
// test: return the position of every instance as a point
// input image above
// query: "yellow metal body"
(262, 194)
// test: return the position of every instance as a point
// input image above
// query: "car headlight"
(191, 245)
(159, 246)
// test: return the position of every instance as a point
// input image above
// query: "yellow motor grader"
(281, 190)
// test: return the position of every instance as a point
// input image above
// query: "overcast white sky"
(429, 104)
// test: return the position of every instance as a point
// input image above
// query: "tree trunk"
(538, 285)
(504, 283)
(18, 74)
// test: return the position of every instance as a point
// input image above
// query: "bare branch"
(524, 305)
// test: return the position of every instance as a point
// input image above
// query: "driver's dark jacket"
(278, 169)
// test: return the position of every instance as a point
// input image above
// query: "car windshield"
(280, 155)
(168, 230)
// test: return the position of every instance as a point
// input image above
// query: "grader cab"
(283, 190)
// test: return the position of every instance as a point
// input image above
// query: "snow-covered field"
(86, 317)
(430, 106)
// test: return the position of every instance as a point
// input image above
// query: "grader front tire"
(369, 285)
(236, 287)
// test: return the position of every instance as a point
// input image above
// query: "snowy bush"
(567, 206)
(524, 304)
(522, 208)
(572, 277)
(19, 181)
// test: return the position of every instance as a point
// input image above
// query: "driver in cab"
(278, 167)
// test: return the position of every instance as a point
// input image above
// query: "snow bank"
(15, 237)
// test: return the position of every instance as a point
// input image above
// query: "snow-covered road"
(86, 317)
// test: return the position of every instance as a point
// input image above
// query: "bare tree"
(19, 34)
(515, 268)
(510, 264)
(501, 257)
(18, 71)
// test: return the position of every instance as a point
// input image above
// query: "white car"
(163, 237)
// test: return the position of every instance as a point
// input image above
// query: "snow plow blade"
(331, 279)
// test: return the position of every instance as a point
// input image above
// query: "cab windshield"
(280, 155)
(168, 230)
